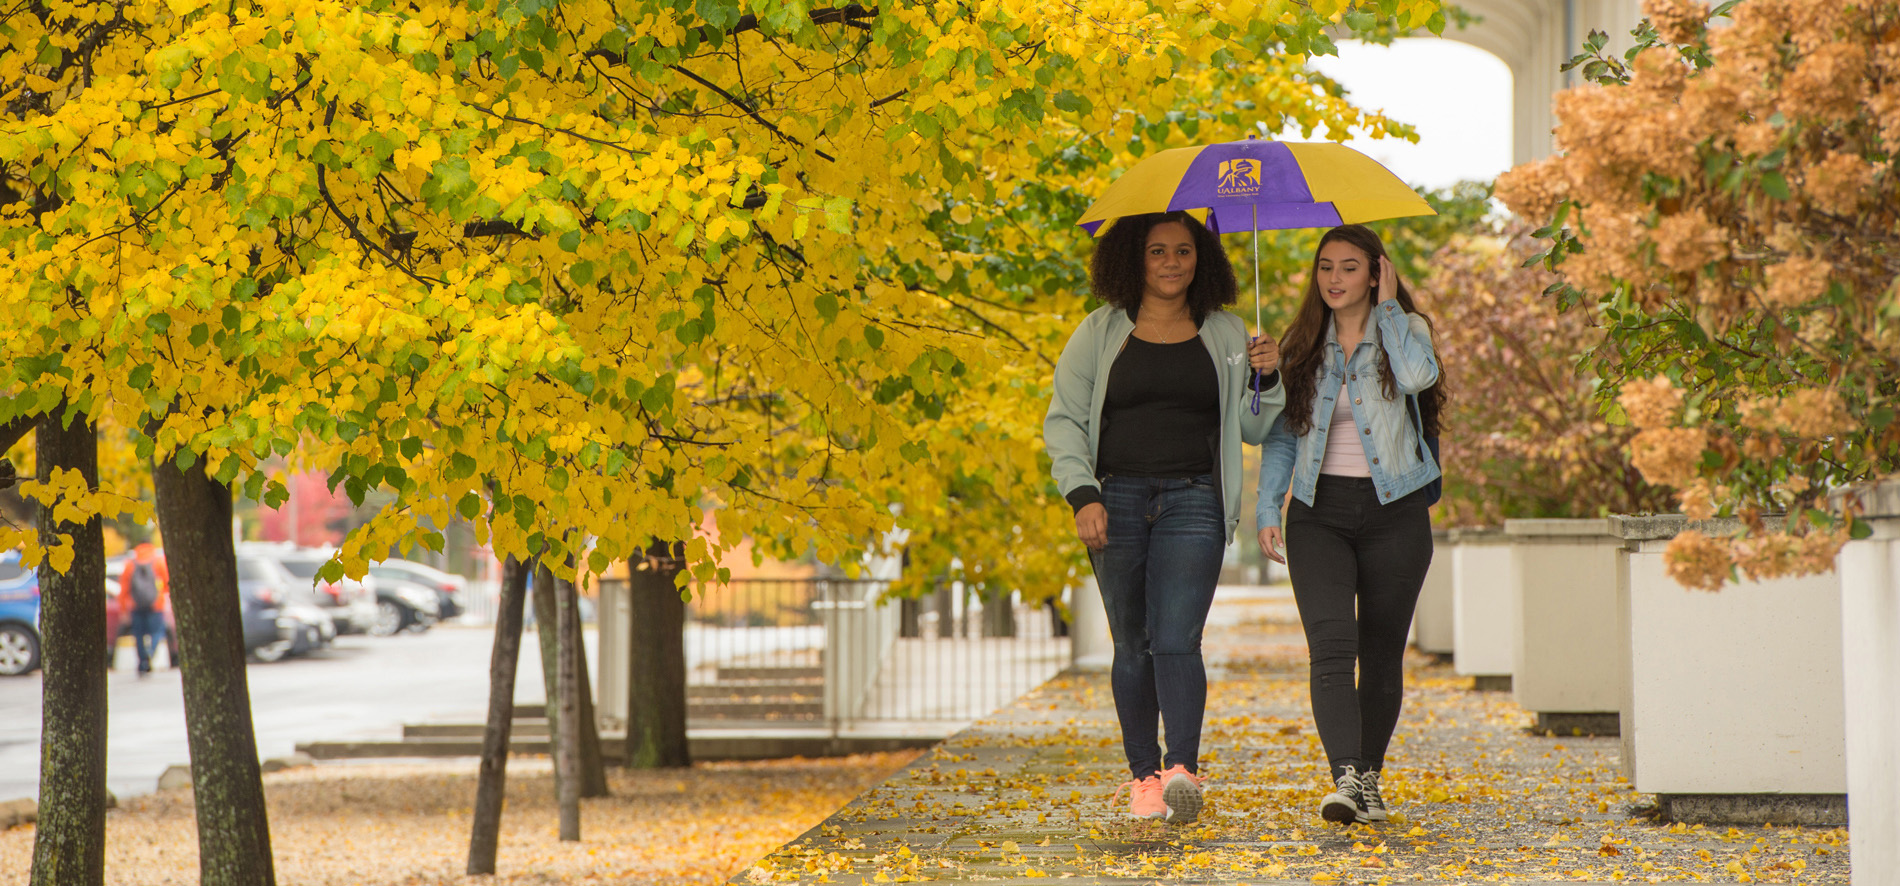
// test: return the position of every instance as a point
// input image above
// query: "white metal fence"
(835, 654)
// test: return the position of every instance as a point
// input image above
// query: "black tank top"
(1161, 414)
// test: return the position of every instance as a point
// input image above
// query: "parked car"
(449, 587)
(403, 605)
(19, 617)
(351, 604)
(380, 607)
(280, 615)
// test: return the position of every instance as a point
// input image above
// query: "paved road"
(362, 688)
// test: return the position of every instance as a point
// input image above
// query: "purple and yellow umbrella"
(1260, 185)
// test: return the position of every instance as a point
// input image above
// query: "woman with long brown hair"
(1362, 394)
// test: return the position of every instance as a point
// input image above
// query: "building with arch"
(1534, 38)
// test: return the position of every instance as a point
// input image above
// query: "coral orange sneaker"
(1144, 797)
(1181, 794)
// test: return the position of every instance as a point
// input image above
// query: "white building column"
(1534, 38)
(1870, 658)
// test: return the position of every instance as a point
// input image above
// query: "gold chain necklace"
(1154, 325)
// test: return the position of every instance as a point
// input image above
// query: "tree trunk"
(567, 754)
(485, 835)
(999, 615)
(70, 845)
(656, 684)
(547, 634)
(945, 607)
(910, 612)
(194, 513)
(593, 769)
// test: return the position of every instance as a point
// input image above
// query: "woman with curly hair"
(1150, 409)
(1362, 392)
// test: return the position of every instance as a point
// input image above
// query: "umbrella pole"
(1258, 331)
(1256, 270)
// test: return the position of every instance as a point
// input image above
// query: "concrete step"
(435, 746)
(746, 710)
(744, 689)
(702, 744)
(520, 729)
(765, 709)
(749, 672)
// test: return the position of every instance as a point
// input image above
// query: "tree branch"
(747, 108)
(852, 15)
(991, 325)
(14, 429)
(567, 132)
(323, 187)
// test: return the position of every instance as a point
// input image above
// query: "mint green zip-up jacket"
(1072, 430)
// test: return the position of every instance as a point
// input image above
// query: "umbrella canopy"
(1260, 185)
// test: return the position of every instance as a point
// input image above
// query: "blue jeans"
(148, 630)
(1157, 574)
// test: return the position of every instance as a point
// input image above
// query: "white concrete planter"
(1870, 659)
(1567, 663)
(1734, 704)
(1433, 628)
(1484, 606)
(1091, 647)
(613, 644)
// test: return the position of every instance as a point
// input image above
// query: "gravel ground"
(365, 824)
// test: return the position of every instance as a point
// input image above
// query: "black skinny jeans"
(1357, 567)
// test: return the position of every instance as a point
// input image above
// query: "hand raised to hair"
(1388, 285)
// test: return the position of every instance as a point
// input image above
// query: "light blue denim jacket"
(1398, 462)
(1072, 429)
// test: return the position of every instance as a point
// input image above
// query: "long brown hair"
(1305, 340)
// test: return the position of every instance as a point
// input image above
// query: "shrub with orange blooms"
(1726, 199)
(1522, 434)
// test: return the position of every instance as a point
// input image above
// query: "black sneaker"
(1369, 796)
(1346, 804)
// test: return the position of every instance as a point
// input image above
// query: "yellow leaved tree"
(580, 271)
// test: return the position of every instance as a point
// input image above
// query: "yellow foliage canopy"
(578, 269)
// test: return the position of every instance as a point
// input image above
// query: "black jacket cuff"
(1082, 496)
(1263, 382)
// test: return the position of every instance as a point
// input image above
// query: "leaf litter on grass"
(387, 823)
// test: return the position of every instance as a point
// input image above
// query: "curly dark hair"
(1305, 340)
(1119, 270)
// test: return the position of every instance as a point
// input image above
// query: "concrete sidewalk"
(1024, 796)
